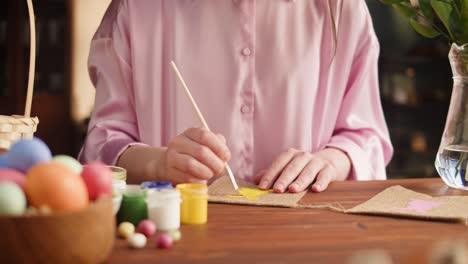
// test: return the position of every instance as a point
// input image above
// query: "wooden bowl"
(85, 236)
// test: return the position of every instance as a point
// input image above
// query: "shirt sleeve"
(113, 126)
(361, 130)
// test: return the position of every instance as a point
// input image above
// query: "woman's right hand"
(194, 156)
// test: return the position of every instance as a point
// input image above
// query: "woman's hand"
(295, 170)
(194, 156)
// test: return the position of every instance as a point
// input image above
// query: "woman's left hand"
(295, 170)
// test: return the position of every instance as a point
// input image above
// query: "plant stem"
(449, 37)
(462, 158)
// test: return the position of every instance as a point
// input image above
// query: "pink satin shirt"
(259, 70)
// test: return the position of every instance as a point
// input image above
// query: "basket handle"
(32, 59)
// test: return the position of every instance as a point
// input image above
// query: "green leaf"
(464, 8)
(443, 11)
(424, 30)
(464, 4)
(426, 9)
(405, 10)
(461, 31)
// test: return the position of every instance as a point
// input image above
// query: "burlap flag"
(221, 191)
(398, 201)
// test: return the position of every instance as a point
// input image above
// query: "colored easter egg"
(55, 185)
(12, 199)
(26, 153)
(13, 176)
(164, 241)
(137, 240)
(98, 179)
(70, 162)
(3, 161)
(147, 228)
(176, 235)
(126, 229)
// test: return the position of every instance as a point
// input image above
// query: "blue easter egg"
(26, 153)
(3, 161)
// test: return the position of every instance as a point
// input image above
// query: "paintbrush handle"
(200, 116)
(189, 95)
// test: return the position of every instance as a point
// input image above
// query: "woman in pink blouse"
(290, 86)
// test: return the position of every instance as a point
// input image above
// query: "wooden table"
(247, 234)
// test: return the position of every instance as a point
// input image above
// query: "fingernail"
(279, 188)
(294, 186)
(318, 187)
(263, 184)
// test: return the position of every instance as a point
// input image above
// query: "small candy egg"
(56, 186)
(12, 199)
(44, 210)
(26, 153)
(126, 229)
(13, 176)
(98, 179)
(137, 240)
(70, 162)
(164, 241)
(176, 235)
(147, 228)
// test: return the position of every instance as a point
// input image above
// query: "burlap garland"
(394, 201)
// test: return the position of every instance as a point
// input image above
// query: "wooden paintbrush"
(200, 116)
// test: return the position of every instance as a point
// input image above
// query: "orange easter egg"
(57, 186)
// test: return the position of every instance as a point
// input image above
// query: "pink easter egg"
(98, 179)
(13, 176)
(164, 241)
(147, 228)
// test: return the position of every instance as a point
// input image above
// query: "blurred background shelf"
(416, 85)
(51, 101)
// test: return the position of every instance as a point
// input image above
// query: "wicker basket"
(14, 128)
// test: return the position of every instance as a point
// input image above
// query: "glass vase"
(452, 157)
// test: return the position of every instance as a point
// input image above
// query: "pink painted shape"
(420, 206)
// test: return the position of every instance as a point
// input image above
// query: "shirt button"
(246, 51)
(245, 109)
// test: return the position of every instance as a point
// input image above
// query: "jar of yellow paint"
(194, 206)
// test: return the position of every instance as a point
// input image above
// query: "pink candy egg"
(98, 179)
(12, 175)
(147, 228)
(164, 241)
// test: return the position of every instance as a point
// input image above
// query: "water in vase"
(451, 163)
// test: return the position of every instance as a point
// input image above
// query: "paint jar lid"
(155, 185)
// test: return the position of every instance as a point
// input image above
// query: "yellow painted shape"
(249, 193)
